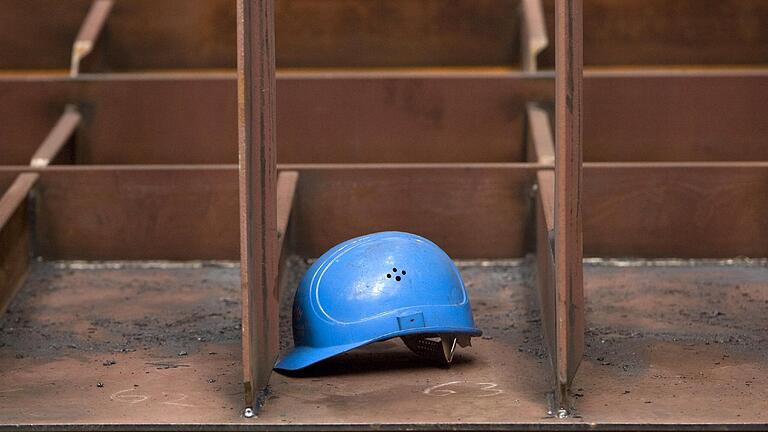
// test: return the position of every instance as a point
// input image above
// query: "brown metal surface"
(347, 33)
(259, 245)
(15, 236)
(347, 117)
(675, 344)
(400, 145)
(470, 211)
(156, 212)
(140, 34)
(568, 247)
(175, 34)
(352, 117)
(676, 210)
(175, 118)
(60, 135)
(176, 213)
(38, 34)
(714, 115)
(405, 117)
(71, 322)
(386, 33)
(698, 209)
(671, 32)
(89, 33)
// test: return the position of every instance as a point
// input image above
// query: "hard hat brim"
(304, 356)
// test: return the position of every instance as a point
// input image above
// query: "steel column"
(569, 303)
(89, 33)
(258, 195)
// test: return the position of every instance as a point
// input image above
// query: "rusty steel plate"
(668, 347)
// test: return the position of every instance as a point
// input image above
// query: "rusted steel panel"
(676, 116)
(127, 119)
(191, 118)
(179, 34)
(671, 32)
(189, 212)
(676, 210)
(466, 210)
(646, 319)
(168, 34)
(15, 239)
(569, 297)
(705, 115)
(174, 213)
(718, 198)
(386, 33)
(141, 34)
(391, 118)
(38, 34)
(259, 254)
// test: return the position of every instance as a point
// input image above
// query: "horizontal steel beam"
(179, 34)
(155, 212)
(651, 32)
(417, 117)
(152, 35)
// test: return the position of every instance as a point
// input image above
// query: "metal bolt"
(248, 413)
(562, 413)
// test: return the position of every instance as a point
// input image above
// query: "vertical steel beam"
(568, 213)
(286, 193)
(59, 135)
(533, 34)
(545, 259)
(540, 145)
(89, 33)
(258, 195)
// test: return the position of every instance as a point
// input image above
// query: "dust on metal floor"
(666, 345)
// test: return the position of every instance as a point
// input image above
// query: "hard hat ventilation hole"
(397, 277)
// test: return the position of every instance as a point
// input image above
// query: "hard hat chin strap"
(438, 348)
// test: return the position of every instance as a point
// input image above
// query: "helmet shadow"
(390, 355)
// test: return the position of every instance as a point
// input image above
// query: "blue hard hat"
(377, 287)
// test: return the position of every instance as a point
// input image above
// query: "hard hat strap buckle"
(438, 348)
